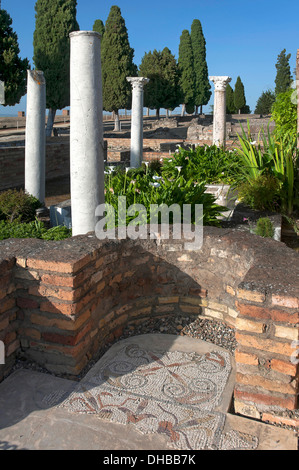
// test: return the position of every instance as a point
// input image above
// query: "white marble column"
(86, 130)
(219, 111)
(35, 136)
(137, 120)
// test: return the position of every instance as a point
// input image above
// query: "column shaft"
(86, 130)
(137, 120)
(219, 118)
(35, 140)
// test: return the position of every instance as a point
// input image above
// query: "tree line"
(172, 83)
(283, 82)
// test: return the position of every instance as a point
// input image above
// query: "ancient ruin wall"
(61, 302)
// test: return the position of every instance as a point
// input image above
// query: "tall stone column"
(35, 137)
(86, 130)
(137, 120)
(219, 120)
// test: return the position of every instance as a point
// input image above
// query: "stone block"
(61, 214)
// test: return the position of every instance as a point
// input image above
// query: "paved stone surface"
(149, 392)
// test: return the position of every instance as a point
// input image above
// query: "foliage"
(162, 91)
(117, 63)
(264, 227)
(265, 102)
(210, 164)
(186, 67)
(143, 187)
(13, 69)
(99, 27)
(239, 95)
(230, 103)
(18, 219)
(20, 230)
(57, 233)
(263, 193)
(246, 109)
(283, 78)
(202, 84)
(169, 66)
(277, 158)
(55, 20)
(18, 206)
(33, 229)
(284, 113)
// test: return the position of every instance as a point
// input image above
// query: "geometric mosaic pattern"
(171, 393)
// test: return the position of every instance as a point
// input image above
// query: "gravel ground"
(203, 329)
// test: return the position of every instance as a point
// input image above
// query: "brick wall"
(63, 301)
(12, 163)
(8, 313)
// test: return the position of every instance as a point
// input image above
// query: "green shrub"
(18, 206)
(57, 233)
(34, 229)
(146, 189)
(264, 227)
(284, 113)
(155, 166)
(21, 230)
(262, 193)
(209, 164)
(269, 156)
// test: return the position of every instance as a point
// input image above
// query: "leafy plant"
(264, 227)
(57, 233)
(284, 113)
(18, 206)
(149, 189)
(209, 164)
(263, 193)
(33, 229)
(272, 157)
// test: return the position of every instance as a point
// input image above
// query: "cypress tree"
(13, 69)
(239, 95)
(162, 91)
(187, 76)
(55, 20)
(230, 103)
(99, 27)
(117, 65)
(170, 71)
(150, 67)
(283, 78)
(202, 84)
(265, 102)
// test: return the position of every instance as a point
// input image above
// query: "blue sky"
(244, 37)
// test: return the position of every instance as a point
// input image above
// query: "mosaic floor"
(172, 392)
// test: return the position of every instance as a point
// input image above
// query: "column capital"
(138, 82)
(220, 82)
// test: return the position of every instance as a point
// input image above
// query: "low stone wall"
(61, 302)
